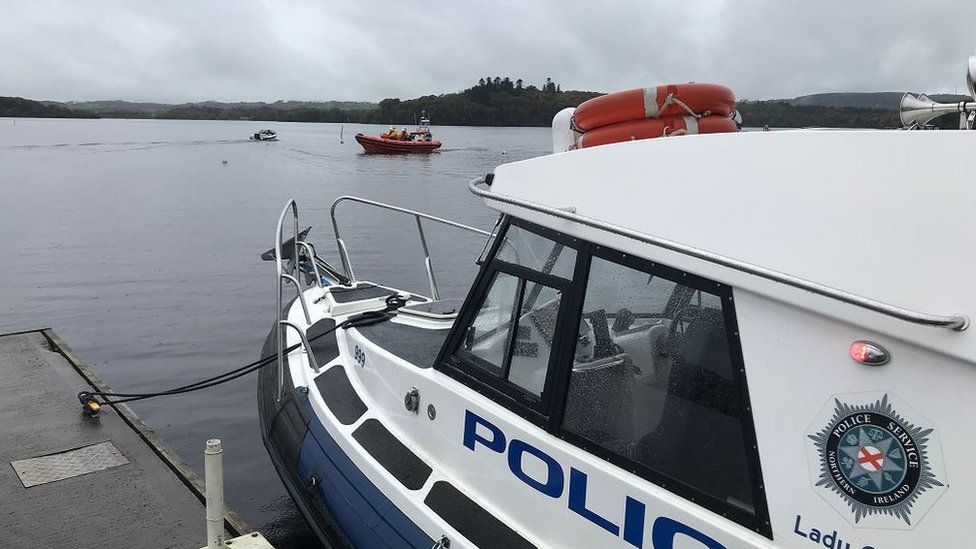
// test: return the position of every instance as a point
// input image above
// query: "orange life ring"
(641, 103)
(655, 127)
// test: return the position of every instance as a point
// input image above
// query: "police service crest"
(873, 464)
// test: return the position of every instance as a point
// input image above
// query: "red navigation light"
(866, 352)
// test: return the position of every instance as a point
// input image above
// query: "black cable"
(263, 361)
(367, 318)
(203, 384)
(196, 388)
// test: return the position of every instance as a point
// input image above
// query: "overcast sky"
(174, 51)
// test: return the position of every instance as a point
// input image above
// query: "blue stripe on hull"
(366, 516)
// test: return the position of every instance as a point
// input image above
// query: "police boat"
(754, 339)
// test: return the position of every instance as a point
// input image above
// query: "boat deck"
(75, 481)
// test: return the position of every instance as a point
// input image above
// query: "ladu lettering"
(831, 541)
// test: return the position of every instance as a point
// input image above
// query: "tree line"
(782, 114)
(26, 108)
(493, 101)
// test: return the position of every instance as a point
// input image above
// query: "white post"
(213, 465)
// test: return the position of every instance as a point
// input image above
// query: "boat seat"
(699, 440)
(703, 371)
(643, 344)
(606, 382)
(599, 406)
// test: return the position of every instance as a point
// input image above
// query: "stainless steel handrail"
(956, 322)
(282, 275)
(427, 264)
(306, 349)
(418, 216)
(310, 253)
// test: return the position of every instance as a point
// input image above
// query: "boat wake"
(116, 146)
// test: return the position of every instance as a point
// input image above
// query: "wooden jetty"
(71, 480)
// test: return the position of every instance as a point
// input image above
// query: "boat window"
(508, 333)
(533, 337)
(511, 336)
(488, 336)
(536, 252)
(653, 383)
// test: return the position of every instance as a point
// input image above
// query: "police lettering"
(852, 421)
(480, 432)
(911, 451)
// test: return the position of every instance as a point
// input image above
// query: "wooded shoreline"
(491, 102)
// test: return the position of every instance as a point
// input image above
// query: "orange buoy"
(656, 127)
(641, 103)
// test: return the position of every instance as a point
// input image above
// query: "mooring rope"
(90, 399)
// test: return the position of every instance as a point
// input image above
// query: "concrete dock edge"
(233, 523)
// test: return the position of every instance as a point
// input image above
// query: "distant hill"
(493, 101)
(784, 114)
(837, 110)
(870, 100)
(18, 106)
(127, 107)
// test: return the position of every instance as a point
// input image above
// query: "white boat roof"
(882, 214)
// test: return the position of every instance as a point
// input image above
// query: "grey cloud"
(314, 50)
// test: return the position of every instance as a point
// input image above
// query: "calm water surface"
(139, 246)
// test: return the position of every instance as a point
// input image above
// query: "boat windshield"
(536, 252)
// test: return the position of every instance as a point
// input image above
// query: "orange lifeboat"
(384, 144)
(655, 127)
(661, 101)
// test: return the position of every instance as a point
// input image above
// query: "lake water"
(139, 246)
